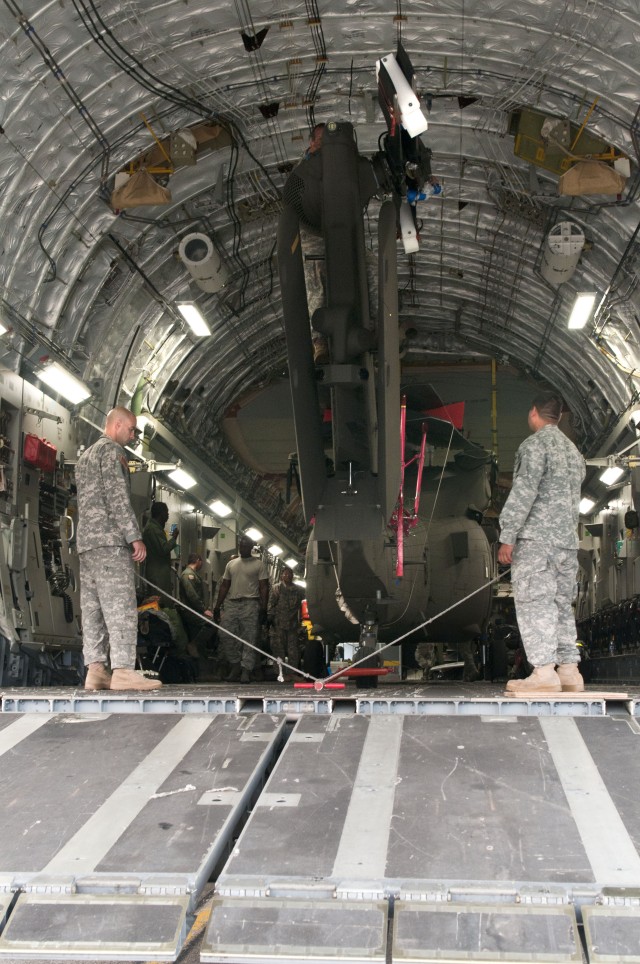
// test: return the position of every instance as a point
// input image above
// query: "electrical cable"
(136, 69)
(116, 51)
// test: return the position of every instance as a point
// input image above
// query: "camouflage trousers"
(242, 617)
(544, 587)
(109, 607)
(284, 645)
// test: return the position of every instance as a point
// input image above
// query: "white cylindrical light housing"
(561, 252)
(202, 261)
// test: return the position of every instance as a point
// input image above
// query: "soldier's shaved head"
(118, 414)
(120, 425)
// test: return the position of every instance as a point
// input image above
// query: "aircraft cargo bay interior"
(319, 481)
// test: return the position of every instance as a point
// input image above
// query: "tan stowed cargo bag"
(591, 177)
(140, 189)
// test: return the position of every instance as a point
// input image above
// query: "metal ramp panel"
(168, 700)
(81, 701)
(371, 806)
(450, 699)
(612, 934)
(93, 926)
(485, 832)
(6, 900)
(111, 813)
(269, 931)
(481, 706)
(495, 934)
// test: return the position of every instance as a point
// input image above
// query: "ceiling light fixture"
(253, 533)
(275, 550)
(182, 478)
(291, 562)
(194, 318)
(300, 582)
(220, 508)
(611, 475)
(63, 382)
(582, 308)
(586, 504)
(3, 329)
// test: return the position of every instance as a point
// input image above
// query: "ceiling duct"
(561, 253)
(203, 262)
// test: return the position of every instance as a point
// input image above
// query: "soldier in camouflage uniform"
(192, 590)
(109, 543)
(284, 617)
(244, 593)
(539, 539)
(192, 593)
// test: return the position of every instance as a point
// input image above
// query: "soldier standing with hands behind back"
(192, 593)
(539, 539)
(109, 543)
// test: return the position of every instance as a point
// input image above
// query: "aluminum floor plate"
(270, 931)
(495, 823)
(142, 806)
(445, 934)
(93, 926)
(367, 806)
(612, 934)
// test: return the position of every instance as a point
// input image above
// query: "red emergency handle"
(312, 686)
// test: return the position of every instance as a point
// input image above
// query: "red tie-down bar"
(403, 522)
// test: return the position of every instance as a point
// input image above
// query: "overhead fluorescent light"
(582, 308)
(300, 582)
(253, 533)
(63, 382)
(220, 508)
(611, 475)
(275, 550)
(586, 505)
(3, 329)
(291, 562)
(194, 318)
(182, 478)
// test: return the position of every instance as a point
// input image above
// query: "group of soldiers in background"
(194, 649)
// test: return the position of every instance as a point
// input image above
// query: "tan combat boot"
(130, 679)
(544, 679)
(570, 678)
(98, 677)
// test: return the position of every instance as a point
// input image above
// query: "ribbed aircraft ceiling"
(88, 88)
